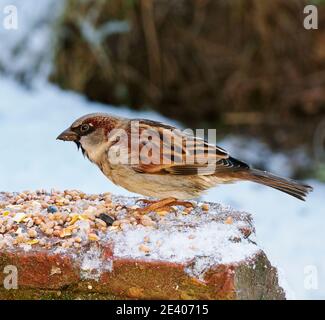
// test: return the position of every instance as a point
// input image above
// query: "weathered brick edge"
(254, 278)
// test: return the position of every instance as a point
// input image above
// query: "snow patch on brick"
(200, 240)
(91, 264)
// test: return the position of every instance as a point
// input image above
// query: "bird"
(160, 161)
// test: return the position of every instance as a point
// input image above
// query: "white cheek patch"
(84, 141)
(94, 151)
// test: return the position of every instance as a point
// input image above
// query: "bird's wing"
(169, 150)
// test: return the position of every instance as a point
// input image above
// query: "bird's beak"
(68, 135)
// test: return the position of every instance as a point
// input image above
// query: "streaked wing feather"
(220, 166)
(182, 154)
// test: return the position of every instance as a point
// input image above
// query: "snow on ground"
(290, 231)
(29, 48)
(30, 121)
(261, 156)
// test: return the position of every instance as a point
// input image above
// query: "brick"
(239, 269)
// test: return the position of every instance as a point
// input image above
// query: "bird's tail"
(288, 186)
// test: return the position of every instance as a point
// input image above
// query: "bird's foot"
(162, 205)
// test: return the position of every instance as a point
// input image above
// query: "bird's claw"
(162, 205)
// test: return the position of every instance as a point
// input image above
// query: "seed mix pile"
(74, 222)
(68, 219)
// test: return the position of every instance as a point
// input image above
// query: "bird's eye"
(84, 128)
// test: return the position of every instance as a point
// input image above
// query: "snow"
(91, 264)
(28, 49)
(200, 238)
(256, 152)
(208, 243)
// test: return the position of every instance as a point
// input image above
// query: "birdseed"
(71, 220)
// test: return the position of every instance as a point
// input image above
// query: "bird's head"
(90, 132)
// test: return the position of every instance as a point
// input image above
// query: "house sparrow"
(165, 163)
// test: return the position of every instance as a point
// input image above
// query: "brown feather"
(179, 153)
(288, 186)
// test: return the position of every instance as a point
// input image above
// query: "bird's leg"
(163, 204)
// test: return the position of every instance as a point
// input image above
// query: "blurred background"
(247, 68)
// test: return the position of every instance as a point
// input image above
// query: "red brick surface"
(50, 273)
